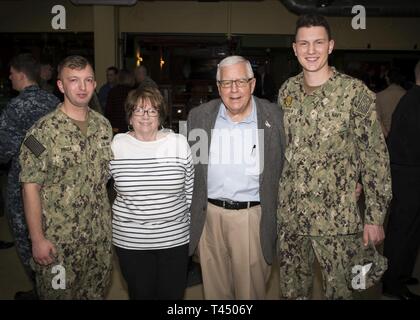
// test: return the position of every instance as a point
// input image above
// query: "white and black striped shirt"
(154, 183)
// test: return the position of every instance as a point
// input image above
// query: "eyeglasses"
(150, 112)
(240, 83)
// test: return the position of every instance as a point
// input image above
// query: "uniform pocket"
(64, 162)
(333, 130)
(102, 152)
(67, 159)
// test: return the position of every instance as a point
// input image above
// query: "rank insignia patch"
(288, 101)
(34, 145)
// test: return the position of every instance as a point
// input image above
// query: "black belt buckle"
(234, 205)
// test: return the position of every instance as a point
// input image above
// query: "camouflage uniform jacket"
(333, 138)
(72, 171)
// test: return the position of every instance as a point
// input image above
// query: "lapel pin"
(268, 125)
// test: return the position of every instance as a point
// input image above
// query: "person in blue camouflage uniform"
(65, 159)
(333, 138)
(19, 115)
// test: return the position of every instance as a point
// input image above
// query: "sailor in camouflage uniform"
(333, 139)
(64, 161)
(19, 115)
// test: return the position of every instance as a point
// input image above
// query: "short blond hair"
(73, 62)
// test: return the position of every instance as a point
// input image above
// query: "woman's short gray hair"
(231, 60)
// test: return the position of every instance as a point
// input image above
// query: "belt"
(234, 205)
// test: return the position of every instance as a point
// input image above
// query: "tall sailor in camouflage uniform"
(64, 161)
(333, 138)
(19, 115)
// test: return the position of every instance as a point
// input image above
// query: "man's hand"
(43, 251)
(359, 189)
(373, 233)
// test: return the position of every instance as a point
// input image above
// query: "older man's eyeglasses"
(153, 112)
(240, 83)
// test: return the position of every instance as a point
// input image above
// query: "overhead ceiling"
(374, 8)
(133, 2)
(105, 2)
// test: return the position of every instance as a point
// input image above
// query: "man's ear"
(60, 85)
(253, 82)
(21, 76)
(294, 48)
(330, 46)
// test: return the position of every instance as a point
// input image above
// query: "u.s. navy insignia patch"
(34, 145)
(288, 101)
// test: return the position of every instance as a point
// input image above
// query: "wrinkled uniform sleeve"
(33, 168)
(372, 155)
(9, 135)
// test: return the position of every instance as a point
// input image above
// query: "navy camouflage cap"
(366, 268)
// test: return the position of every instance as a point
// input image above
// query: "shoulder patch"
(34, 145)
(363, 104)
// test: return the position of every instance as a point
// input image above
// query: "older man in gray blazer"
(238, 145)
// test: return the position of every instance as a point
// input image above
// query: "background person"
(111, 81)
(19, 115)
(387, 100)
(403, 230)
(117, 96)
(142, 78)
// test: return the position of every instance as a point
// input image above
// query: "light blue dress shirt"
(233, 170)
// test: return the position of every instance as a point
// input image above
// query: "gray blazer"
(270, 119)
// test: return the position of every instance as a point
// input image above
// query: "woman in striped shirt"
(153, 173)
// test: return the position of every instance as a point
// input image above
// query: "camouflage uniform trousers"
(87, 272)
(334, 254)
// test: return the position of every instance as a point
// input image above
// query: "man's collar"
(31, 87)
(299, 78)
(324, 89)
(252, 117)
